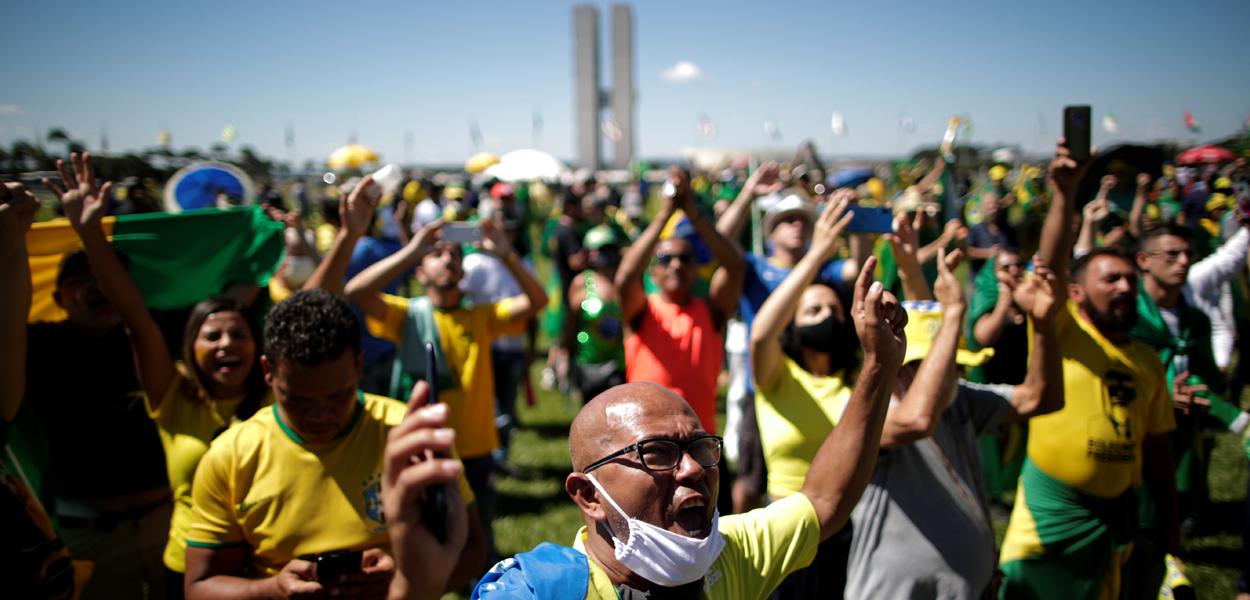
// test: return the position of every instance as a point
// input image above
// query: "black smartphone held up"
(332, 565)
(867, 219)
(434, 509)
(1076, 131)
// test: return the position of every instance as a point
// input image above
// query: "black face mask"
(830, 336)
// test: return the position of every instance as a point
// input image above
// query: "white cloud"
(11, 109)
(683, 71)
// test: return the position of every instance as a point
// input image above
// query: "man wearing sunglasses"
(646, 475)
(675, 338)
(1174, 300)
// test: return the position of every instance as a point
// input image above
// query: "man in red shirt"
(674, 338)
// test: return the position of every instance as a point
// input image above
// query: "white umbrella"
(527, 165)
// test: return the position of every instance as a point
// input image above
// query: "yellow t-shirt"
(465, 335)
(187, 426)
(762, 547)
(796, 411)
(1114, 396)
(262, 487)
(278, 292)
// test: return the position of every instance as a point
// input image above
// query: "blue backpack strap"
(547, 571)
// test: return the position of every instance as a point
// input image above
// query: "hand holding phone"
(866, 219)
(462, 233)
(434, 509)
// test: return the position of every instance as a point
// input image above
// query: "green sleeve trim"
(195, 544)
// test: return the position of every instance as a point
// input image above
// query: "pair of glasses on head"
(1173, 255)
(665, 259)
(661, 454)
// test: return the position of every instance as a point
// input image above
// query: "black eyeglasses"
(664, 454)
(684, 257)
(1173, 255)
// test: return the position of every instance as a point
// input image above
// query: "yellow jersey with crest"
(261, 486)
(1114, 395)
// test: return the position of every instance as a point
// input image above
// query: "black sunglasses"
(665, 259)
(661, 454)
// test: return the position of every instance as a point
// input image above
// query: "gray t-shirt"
(922, 527)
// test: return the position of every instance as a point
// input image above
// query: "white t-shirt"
(486, 281)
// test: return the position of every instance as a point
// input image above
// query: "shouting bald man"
(646, 477)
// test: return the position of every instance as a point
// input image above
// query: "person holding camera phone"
(297, 493)
(461, 333)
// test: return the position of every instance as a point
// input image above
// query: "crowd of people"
(339, 432)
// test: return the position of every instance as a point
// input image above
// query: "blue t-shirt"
(762, 277)
(368, 251)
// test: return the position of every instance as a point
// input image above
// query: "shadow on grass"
(513, 504)
(559, 431)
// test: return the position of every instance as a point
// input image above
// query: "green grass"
(534, 508)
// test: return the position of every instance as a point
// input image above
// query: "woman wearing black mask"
(804, 358)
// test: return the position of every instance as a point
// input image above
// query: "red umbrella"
(1204, 155)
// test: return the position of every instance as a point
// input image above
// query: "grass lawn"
(534, 508)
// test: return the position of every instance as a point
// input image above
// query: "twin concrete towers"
(606, 113)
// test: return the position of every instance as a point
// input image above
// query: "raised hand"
(414, 461)
(356, 208)
(83, 203)
(495, 239)
(1064, 172)
(1188, 398)
(765, 180)
(1038, 295)
(947, 290)
(830, 224)
(879, 319)
(1108, 183)
(1144, 180)
(1096, 210)
(17, 209)
(428, 235)
(905, 241)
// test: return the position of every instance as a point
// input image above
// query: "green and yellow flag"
(176, 259)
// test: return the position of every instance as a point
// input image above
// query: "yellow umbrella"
(352, 155)
(480, 162)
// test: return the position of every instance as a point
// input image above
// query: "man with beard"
(646, 475)
(1075, 509)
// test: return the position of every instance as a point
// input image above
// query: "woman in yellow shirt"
(803, 358)
(217, 383)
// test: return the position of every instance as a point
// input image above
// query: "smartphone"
(1076, 131)
(434, 509)
(462, 233)
(865, 219)
(332, 565)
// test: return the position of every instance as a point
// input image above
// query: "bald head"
(620, 416)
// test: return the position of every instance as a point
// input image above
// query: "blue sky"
(390, 69)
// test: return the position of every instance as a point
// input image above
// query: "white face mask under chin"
(661, 556)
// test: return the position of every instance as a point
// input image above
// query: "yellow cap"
(924, 319)
(998, 173)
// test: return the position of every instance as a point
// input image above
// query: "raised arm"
(533, 297)
(1042, 390)
(355, 213)
(726, 284)
(778, 309)
(954, 230)
(1063, 175)
(841, 468)
(904, 243)
(763, 181)
(1137, 216)
(365, 289)
(637, 257)
(17, 211)
(84, 205)
(920, 411)
(932, 177)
